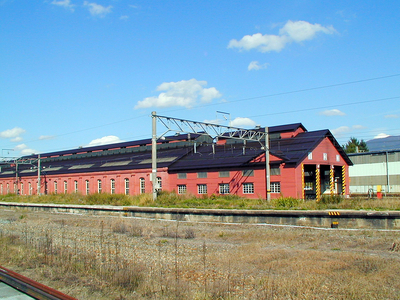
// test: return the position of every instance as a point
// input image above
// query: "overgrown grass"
(167, 199)
(97, 258)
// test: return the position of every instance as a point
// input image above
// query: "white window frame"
(126, 186)
(202, 189)
(55, 187)
(310, 155)
(22, 188)
(248, 188)
(337, 157)
(182, 189)
(159, 183)
(87, 187)
(325, 156)
(276, 187)
(76, 186)
(224, 188)
(112, 186)
(65, 187)
(99, 186)
(142, 185)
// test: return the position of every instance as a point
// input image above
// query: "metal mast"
(154, 155)
(213, 130)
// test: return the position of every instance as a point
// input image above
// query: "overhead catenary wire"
(260, 97)
(300, 90)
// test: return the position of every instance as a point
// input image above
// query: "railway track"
(26, 288)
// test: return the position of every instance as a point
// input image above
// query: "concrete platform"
(312, 218)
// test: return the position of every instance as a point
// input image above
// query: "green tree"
(355, 146)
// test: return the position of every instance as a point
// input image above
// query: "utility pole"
(16, 177)
(267, 166)
(39, 179)
(387, 172)
(154, 155)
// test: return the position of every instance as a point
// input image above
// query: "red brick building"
(302, 165)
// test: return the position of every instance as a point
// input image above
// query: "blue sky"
(78, 73)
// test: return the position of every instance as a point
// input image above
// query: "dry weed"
(102, 258)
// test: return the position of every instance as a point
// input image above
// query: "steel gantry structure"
(15, 162)
(212, 130)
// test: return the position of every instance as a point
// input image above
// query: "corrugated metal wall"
(372, 169)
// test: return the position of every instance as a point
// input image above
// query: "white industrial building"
(373, 169)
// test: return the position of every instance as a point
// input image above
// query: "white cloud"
(255, 65)
(184, 93)
(391, 116)
(64, 3)
(98, 10)
(12, 133)
(358, 127)
(243, 122)
(110, 139)
(332, 112)
(342, 130)
(16, 139)
(300, 31)
(263, 43)
(297, 31)
(28, 151)
(20, 147)
(24, 149)
(124, 17)
(381, 136)
(46, 137)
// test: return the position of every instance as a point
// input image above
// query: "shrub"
(107, 199)
(189, 233)
(135, 231)
(335, 199)
(285, 202)
(120, 227)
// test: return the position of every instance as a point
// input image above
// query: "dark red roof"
(184, 154)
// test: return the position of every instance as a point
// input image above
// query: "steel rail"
(30, 287)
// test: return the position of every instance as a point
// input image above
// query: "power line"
(319, 88)
(260, 97)
(295, 91)
(327, 106)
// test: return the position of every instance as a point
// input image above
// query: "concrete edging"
(313, 218)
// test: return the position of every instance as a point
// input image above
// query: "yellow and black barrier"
(334, 213)
(334, 223)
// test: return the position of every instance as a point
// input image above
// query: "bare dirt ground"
(101, 257)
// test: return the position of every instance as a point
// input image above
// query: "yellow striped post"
(302, 182)
(318, 184)
(332, 180)
(343, 180)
